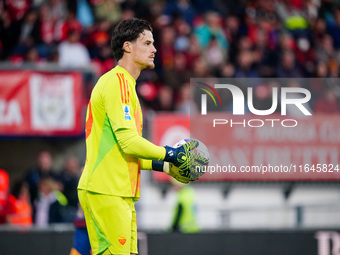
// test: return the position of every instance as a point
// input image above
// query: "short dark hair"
(127, 30)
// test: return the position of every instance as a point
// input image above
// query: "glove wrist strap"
(157, 165)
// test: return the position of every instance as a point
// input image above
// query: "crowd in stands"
(197, 38)
(42, 196)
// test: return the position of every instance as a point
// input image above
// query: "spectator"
(305, 56)
(47, 24)
(42, 170)
(84, 14)
(202, 6)
(193, 53)
(292, 18)
(99, 47)
(165, 99)
(211, 28)
(325, 51)
(232, 29)
(333, 68)
(135, 8)
(180, 8)
(19, 209)
(47, 31)
(200, 69)
(319, 30)
(214, 55)
(17, 8)
(99, 38)
(148, 95)
(166, 49)
(10, 32)
(263, 55)
(227, 71)
(285, 43)
(243, 44)
(50, 206)
(321, 70)
(4, 189)
(54, 56)
(180, 72)
(72, 53)
(69, 178)
(29, 33)
(58, 9)
(233, 35)
(109, 10)
(32, 56)
(262, 18)
(184, 217)
(287, 67)
(245, 65)
(182, 40)
(333, 28)
(104, 62)
(63, 27)
(185, 105)
(311, 10)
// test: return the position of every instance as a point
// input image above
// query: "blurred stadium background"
(53, 51)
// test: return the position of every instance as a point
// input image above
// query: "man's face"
(143, 50)
(45, 161)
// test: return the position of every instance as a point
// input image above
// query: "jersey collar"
(125, 71)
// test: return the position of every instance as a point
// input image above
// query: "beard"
(145, 64)
(150, 66)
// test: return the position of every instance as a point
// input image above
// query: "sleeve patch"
(127, 114)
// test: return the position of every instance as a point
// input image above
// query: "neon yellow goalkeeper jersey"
(113, 105)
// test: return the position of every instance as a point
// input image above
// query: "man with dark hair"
(41, 170)
(116, 151)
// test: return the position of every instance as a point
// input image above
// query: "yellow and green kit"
(115, 152)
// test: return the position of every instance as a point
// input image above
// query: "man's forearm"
(137, 146)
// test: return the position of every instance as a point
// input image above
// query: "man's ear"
(127, 47)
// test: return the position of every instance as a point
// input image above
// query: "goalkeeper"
(116, 151)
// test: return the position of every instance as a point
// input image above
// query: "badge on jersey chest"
(127, 114)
